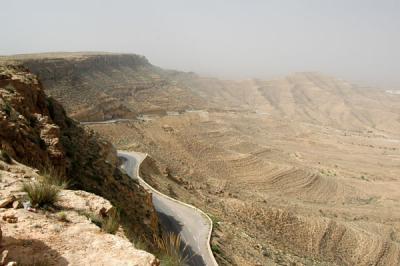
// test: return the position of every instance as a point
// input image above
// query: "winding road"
(192, 224)
(112, 121)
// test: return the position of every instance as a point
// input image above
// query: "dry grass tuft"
(52, 176)
(109, 224)
(46, 190)
(41, 193)
(171, 249)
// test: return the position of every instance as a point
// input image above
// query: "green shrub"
(62, 217)
(140, 243)
(41, 193)
(5, 157)
(215, 221)
(7, 109)
(96, 219)
(109, 224)
(215, 249)
(45, 191)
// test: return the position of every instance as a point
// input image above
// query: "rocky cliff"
(101, 86)
(36, 131)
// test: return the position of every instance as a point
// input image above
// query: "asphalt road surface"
(112, 121)
(176, 217)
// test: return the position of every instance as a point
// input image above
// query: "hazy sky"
(354, 39)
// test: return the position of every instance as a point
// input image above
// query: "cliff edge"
(36, 133)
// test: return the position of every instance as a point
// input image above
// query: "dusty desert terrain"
(310, 191)
(299, 170)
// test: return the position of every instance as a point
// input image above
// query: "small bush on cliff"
(7, 109)
(45, 191)
(62, 217)
(109, 224)
(94, 218)
(41, 193)
(215, 221)
(54, 177)
(171, 249)
(215, 249)
(5, 157)
(141, 242)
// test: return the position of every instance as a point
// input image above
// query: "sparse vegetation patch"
(41, 193)
(109, 223)
(54, 177)
(62, 217)
(171, 249)
(45, 191)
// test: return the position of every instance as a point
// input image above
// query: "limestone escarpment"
(95, 87)
(36, 131)
(86, 81)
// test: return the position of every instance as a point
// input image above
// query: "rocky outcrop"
(36, 131)
(63, 235)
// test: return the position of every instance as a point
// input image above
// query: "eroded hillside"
(36, 132)
(104, 86)
(279, 192)
(301, 170)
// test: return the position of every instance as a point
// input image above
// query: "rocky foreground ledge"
(61, 235)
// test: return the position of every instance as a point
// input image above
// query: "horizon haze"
(355, 40)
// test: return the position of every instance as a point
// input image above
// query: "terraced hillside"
(307, 97)
(324, 100)
(283, 192)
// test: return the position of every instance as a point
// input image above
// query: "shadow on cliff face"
(31, 252)
(170, 224)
